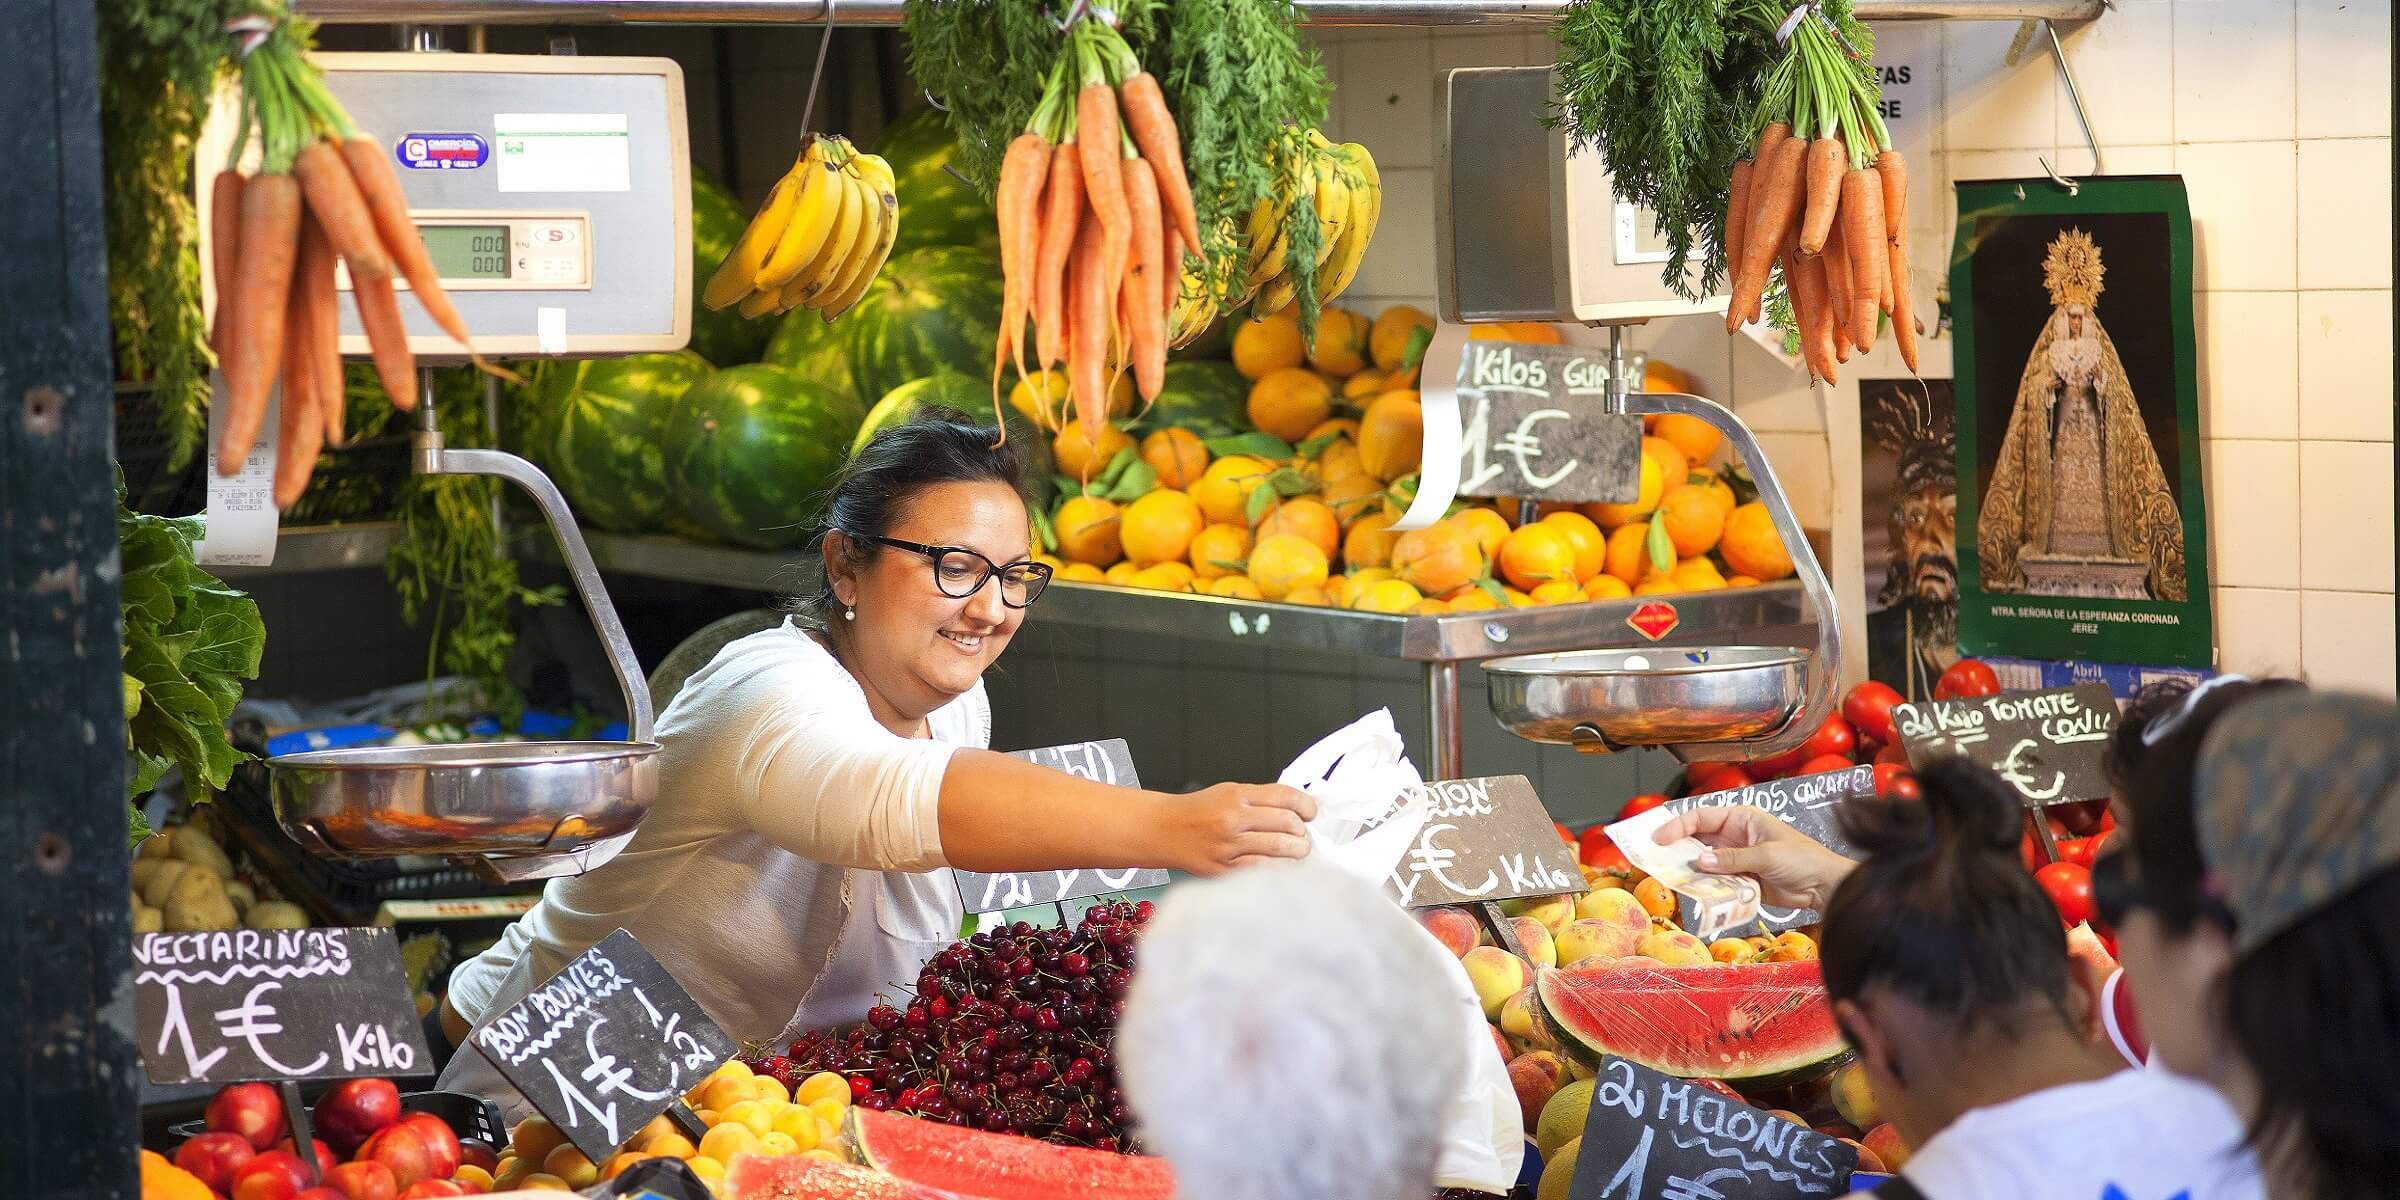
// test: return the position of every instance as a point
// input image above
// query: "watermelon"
(974, 399)
(1751, 1025)
(795, 1177)
(1000, 1166)
(724, 338)
(936, 209)
(818, 351)
(930, 309)
(1206, 396)
(751, 451)
(609, 420)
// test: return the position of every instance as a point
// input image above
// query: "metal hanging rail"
(1340, 13)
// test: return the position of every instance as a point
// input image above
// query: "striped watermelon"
(974, 398)
(931, 309)
(608, 418)
(936, 209)
(751, 451)
(723, 338)
(1206, 396)
(818, 351)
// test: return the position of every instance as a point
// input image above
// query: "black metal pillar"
(67, 1062)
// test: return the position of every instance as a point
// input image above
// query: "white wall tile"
(2258, 631)
(1399, 261)
(2346, 516)
(1987, 103)
(1804, 466)
(2120, 160)
(2345, 68)
(2249, 364)
(1771, 397)
(1698, 347)
(1540, 50)
(2234, 70)
(1451, 51)
(2345, 213)
(2244, 199)
(2124, 63)
(2346, 640)
(2345, 357)
(2253, 513)
(1386, 95)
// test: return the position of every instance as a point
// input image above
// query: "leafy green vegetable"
(1255, 444)
(448, 565)
(190, 641)
(160, 59)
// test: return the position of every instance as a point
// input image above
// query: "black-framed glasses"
(961, 572)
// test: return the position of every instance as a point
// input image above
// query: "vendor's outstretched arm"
(1000, 813)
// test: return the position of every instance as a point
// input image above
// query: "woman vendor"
(817, 779)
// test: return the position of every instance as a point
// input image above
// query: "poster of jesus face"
(2081, 529)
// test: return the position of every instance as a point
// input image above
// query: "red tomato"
(2079, 851)
(2069, 886)
(1834, 736)
(1868, 708)
(1824, 763)
(1564, 834)
(1699, 779)
(2081, 819)
(1780, 765)
(1595, 850)
(1893, 754)
(1966, 677)
(1639, 805)
(1896, 782)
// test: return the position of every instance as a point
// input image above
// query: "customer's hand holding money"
(1721, 901)
(1793, 870)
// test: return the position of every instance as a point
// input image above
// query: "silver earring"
(849, 614)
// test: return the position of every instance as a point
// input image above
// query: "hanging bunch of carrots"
(1823, 201)
(1095, 218)
(322, 190)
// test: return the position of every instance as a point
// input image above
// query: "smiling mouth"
(968, 642)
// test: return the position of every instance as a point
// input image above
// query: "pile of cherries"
(1010, 1031)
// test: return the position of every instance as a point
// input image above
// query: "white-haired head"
(1285, 1038)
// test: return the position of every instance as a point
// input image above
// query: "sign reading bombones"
(1651, 1136)
(2050, 746)
(1109, 762)
(1533, 426)
(274, 1004)
(1483, 840)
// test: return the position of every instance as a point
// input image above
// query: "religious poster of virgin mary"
(2081, 527)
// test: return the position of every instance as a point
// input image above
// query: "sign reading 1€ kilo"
(1483, 840)
(1533, 426)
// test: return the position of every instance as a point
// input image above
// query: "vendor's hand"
(1234, 824)
(1793, 869)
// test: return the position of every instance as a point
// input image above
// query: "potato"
(276, 914)
(147, 919)
(197, 885)
(157, 845)
(162, 881)
(201, 910)
(198, 849)
(242, 895)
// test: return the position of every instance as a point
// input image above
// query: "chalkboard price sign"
(1485, 840)
(1651, 1136)
(604, 1045)
(1109, 762)
(1807, 803)
(1534, 426)
(2051, 746)
(283, 1004)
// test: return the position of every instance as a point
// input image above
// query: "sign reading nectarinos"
(1484, 840)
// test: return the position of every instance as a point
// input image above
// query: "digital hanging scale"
(553, 194)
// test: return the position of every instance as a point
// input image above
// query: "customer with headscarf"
(2257, 907)
(1284, 1041)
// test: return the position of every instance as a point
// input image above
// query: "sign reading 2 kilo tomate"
(2051, 746)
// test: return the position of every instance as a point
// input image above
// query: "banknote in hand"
(1721, 901)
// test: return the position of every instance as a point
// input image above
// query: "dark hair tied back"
(872, 491)
(1941, 910)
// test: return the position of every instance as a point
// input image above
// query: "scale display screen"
(467, 251)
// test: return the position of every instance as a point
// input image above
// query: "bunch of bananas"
(1340, 184)
(818, 240)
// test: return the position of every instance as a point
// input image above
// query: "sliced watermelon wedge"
(969, 1163)
(794, 1177)
(1751, 1025)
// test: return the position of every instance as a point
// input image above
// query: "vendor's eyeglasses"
(961, 572)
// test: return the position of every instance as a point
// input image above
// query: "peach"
(1497, 975)
(1598, 938)
(1867, 1159)
(1615, 905)
(1540, 949)
(1537, 1076)
(1520, 1018)
(1675, 948)
(1455, 928)
(1500, 1040)
(1552, 911)
(1884, 1142)
(1785, 1114)
(1853, 1099)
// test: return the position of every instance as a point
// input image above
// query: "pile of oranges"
(1322, 534)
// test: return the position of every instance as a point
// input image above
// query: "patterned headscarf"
(2298, 796)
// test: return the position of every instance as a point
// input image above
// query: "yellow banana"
(1275, 297)
(1193, 311)
(813, 222)
(759, 304)
(817, 278)
(883, 206)
(1332, 199)
(1371, 179)
(1366, 209)
(736, 276)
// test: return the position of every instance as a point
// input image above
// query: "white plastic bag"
(1356, 773)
